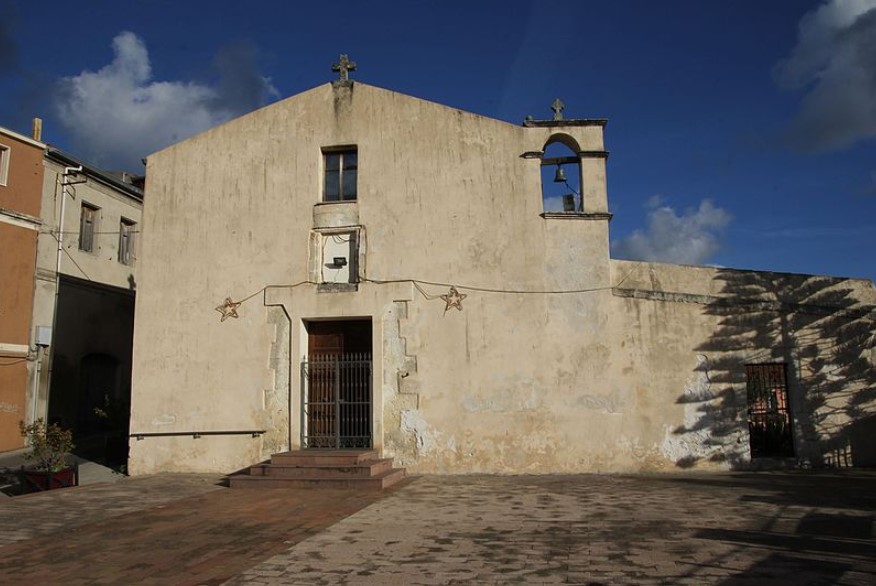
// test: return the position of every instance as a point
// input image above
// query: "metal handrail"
(197, 434)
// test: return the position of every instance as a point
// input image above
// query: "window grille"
(769, 415)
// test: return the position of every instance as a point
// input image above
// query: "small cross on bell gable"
(343, 68)
(558, 106)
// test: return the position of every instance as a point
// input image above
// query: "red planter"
(38, 480)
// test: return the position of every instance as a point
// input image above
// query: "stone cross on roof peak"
(558, 108)
(344, 67)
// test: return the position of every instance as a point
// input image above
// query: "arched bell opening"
(561, 175)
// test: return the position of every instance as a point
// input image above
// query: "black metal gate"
(336, 401)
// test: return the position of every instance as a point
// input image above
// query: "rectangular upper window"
(4, 163)
(126, 241)
(87, 227)
(341, 168)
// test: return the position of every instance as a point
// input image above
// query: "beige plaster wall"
(689, 332)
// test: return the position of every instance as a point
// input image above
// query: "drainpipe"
(35, 391)
(62, 179)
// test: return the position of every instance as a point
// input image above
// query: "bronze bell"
(560, 176)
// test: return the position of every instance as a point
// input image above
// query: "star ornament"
(228, 309)
(453, 299)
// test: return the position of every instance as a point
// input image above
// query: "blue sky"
(742, 133)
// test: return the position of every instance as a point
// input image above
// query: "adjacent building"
(68, 250)
(85, 290)
(353, 267)
(21, 181)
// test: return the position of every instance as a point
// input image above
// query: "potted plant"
(114, 417)
(49, 445)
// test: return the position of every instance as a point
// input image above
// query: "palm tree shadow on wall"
(823, 333)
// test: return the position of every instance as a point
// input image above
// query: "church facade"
(352, 267)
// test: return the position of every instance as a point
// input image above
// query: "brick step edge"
(378, 482)
(326, 458)
(370, 468)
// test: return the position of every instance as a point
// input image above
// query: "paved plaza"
(731, 529)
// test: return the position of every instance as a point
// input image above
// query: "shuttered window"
(126, 241)
(87, 227)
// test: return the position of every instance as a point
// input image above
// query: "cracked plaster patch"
(412, 422)
(692, 443)
(165, 419)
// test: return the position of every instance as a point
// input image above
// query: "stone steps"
(321, 469)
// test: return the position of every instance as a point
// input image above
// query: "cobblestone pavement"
(721, 529)
(161, 530)
(728, 529)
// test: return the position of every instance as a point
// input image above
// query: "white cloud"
(119, 114)
(835, 59)
(553, 203)
(691, 238)
(655, 201)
